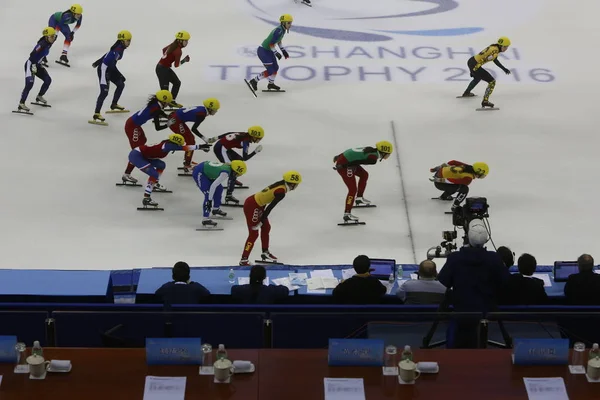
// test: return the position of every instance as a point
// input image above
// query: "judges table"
(286, 374)
(216, 280)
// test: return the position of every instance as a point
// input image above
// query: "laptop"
(564, 269)
(382, 268)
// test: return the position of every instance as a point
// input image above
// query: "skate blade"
(216, 217)
(23, 112)
(128, 184)
(268, 262)
(206, 228)
(448, 212)
(350, 223)
(465, 97)
(40, 104)
(62, 63)
(251, 88)
(273, 91)
(91, 121)
(232, 205)
(149, 208)
(116, 111)
(184, 174)
(242, 187)
(437, 198)
(161, 191)
(487, 109)
(364, 206)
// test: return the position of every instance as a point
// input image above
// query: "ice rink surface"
(352, 72)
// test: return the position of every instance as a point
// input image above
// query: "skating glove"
(278, 55)
(185, 59)
(285, 53)
(204, 147)
(72, 36)
(507, 71)
(258, 149)
(33, 69)
(257, 226)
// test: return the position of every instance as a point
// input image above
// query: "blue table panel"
(39, 282)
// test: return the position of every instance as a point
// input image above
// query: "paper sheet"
(164, 388)
(597, 271)
(546, 388)
(344, 389)
(414, 276)
(246, 281)
(285, 282)
(545, 278)
(323, 273)
(317, 283)
(348, 273)
(298, 278)
(388, 286)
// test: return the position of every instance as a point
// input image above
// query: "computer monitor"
(382, 268)
(563, 269)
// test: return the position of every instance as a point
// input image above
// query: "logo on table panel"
(385, 20)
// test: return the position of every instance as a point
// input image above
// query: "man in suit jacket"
(426, 289)
(362, 288)
(257, 293)
(583, 288)
(181, 290)
(522, 288)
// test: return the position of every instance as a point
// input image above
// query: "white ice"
(60, 209)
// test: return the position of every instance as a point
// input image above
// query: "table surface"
(43, 282)
(286, 374)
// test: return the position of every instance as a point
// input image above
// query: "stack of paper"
(344, 389)
(285, 282)
(321, 279)
(246, 281)
(348, 273)
(164, 388)
(298, 278)
(414, 276)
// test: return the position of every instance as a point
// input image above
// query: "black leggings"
(451, 188)
(479, 75)
(165, 77)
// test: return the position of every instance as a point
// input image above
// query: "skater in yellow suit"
(478, 73)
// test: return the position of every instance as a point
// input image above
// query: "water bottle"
(221, 352)
(400, 272)
(407, 354)
(391, 279)
(594, 352)
(231, 275)
(37, 349)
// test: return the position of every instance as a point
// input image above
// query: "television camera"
(475, 208)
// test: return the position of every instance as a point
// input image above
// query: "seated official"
(583, 288)
(362, 288)
(522, 288)
(507, 256)
(182, 290)
(257, 293)
(426, 289)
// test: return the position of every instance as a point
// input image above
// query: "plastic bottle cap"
(36, 343)
(221, 346)
(407, 348)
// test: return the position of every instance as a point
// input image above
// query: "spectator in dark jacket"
(424, 290)
(583, 288)
(476, 277)
(256, 292)
(362, 288)
(522, 288)
(181, 290)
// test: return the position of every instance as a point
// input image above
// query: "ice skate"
(444, 197)
(252, 85)
(244, 262)
(350, 219)
(158, 188)
(362, 202)
(98, 119)
(486, 105)
(466, 95)
(267, 258)
(44, 62)
(149, 205)
(23, 109)
(186, 170)
(63, 60)
(208, 222)
(231, 201)
(272, 87)
(175, 104)
(240, 185)
(209, 225)
(126, 178)
(217, 212)
(40, 101)
(115, 109)
(306, 3)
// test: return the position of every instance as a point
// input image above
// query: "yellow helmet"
(49, 32)
(211, 104)
(164, 96)
(76, 9)
(124, 35)
(183, 35)
(384, 147)
(238, 167)
(292, 177)
(256, 132)
(177, 139)
(481, 169)
(504, 41)
(286, 18)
